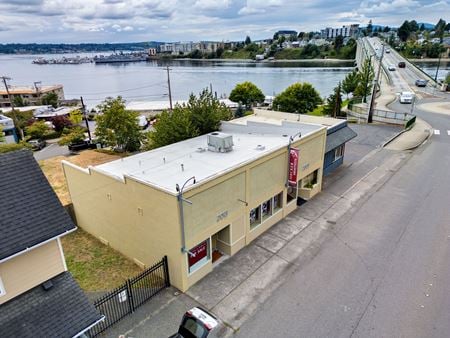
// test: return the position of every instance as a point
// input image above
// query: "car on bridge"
(406, 97)
(401, 64)
(421, 83)
(391, 68)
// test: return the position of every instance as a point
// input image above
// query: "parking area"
(370, 136)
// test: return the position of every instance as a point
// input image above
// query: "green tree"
(334, 103)
(36, 130)
(76, 116)
(248, 40)
(171, 127)
(50, 99)
(18, 101)
(350, 83)
(118, 127)
(404, 31)
(200, 115)
(298, 98)
(206, 112)
(2, 136)
(365, 78)
(247, 93)
(440, 29)
(338, 42)
(72, 135)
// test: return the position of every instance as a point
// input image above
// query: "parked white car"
(406, 97)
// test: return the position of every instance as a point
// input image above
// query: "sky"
(75, 21)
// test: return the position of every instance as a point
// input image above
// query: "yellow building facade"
(201, 199)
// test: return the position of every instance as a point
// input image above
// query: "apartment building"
(344, 31)
(31, 95)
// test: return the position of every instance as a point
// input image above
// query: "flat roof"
(164, 105)
(277, 118)
(167, 166)
(28, 89)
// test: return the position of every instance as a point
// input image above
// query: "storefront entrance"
(220, 244)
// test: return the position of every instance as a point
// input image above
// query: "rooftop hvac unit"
(220, 142)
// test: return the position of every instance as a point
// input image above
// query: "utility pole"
(170, 91)
(372, 101)
(85, 118)
(16, 123)
(439, 63)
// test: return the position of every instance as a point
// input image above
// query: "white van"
(406, 97)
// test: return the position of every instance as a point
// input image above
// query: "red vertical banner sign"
(293, 166)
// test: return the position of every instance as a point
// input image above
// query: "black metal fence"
(123, 300)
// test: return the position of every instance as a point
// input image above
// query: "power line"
(129, 89)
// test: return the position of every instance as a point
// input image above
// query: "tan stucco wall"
(139, 221)
(23, 272)
(143, 223)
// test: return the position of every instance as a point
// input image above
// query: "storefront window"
(266, 209)
(291, 194)
(309, 181)
(198, 256)
(255, 217)
(277, 202)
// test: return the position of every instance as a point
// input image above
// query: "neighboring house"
(30, 95)
(8, 129)
(200, 199)
(338, 132)
(38, 296)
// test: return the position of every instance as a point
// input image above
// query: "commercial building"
(31, 96)
(344, 31)
(338, 132)
(38, 296)
(200, 199)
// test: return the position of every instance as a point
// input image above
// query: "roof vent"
(260, 147)
(220, 142)
(47, 285)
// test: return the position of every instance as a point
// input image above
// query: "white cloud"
(259, 7)
(212, 4)
(387, 7)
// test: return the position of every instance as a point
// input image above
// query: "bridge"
(390, 84)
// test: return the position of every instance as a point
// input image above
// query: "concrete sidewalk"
(411, 138)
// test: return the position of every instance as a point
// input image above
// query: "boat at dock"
(121, 57)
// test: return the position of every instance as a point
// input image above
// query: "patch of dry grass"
(52, 169)
(95, 266)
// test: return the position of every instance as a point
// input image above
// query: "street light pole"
(372, 101)
(367, 78)
(180, 203)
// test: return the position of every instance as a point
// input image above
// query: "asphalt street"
(383, 270)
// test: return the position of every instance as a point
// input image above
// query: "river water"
(147, 81)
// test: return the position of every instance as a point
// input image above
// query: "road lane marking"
(437, 132)
(448, 132)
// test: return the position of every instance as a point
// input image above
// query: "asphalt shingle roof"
(339, 137)
(62, 311)
(30, 211)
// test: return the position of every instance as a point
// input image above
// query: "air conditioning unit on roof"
(220, 142)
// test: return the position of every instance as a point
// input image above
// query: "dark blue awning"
(339, 137)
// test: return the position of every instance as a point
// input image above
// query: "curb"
(403, 131)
